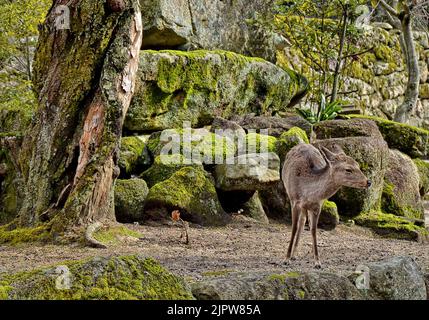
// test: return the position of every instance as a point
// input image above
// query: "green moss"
(164, 167)
(217, 273)
(423, 168)
(289, 139)
(282, 277)
(391, 226)
(129, 199)
(121, 278)
(358, 71)
(132, 155)
(196, 86)
(23, 235)
(408, 139)
(112, 235)
(258, 142)
(190, 190)
(209, 146)
(390, 204)
(4, 292)
(301, 294)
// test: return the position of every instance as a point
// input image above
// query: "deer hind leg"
(295, 217)
(314, 219)
(301, 223)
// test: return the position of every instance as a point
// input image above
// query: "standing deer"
(311, 176)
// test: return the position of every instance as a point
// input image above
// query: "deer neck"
(327, 185)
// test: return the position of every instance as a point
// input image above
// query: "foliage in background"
(325, 36)
(324, 111)
(18, 38)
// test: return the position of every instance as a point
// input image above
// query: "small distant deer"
(311, 176)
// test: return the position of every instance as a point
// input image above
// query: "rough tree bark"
(403, 20)
(84, 78)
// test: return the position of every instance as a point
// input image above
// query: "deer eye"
(349, 170)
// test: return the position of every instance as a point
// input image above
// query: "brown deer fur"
(311, 176)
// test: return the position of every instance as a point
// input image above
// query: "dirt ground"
(241, 246)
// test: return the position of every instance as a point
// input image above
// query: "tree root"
(89, 236)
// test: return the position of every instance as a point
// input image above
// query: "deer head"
(344, 170)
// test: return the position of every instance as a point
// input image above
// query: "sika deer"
(310, 176)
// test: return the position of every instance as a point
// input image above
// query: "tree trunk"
(340, 58)
(84, 78)
(405, 110)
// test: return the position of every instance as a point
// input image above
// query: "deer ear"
(328, 154)
(337, 149)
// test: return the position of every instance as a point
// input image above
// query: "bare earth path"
(241, 246)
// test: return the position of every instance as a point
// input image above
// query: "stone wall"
(377, 79)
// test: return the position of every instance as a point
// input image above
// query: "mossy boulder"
(290, 285)
(392, 226)
(288, 140)
(220, 123)
(346, 128)
(133, 156)
(401, 192)
(176, 86)
(248, 172)
(423, 169)
(102, 278)
(195, 145)
(372, 154)
(329, 217)
(408, 139)
(253, 208)
(397, 278)
(130, 195)
(211, 25)
(164, 167)
(275, 125)
(260, 143)
(189, 190)
(276, 203)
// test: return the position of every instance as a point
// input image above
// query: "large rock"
(253, 208)
(401, 193)
(275, 125)
(249, 172)
(372, 155)
(115, 278)
(195, 145)
(329, 217)
(391, 226)
(164, 167)
(398, 278)
(129, 199)
(166, 23)
(174, 86)
(346, 128)
(210, 24)
(189, 190)
(133, 156)
(410, 140)
(423, 169)
(287, 286)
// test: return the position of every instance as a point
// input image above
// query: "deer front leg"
(314, 219)
(295, 216)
